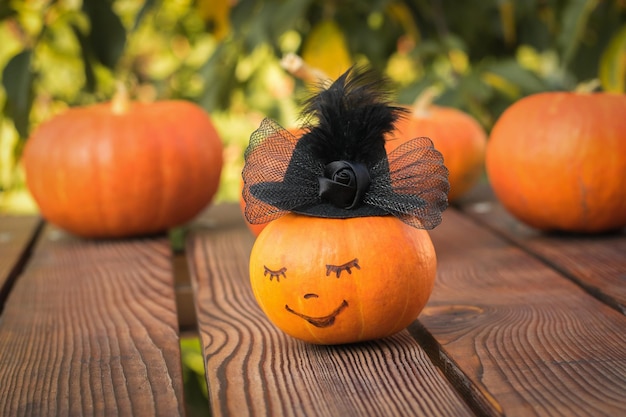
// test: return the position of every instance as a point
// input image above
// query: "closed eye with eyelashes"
(275, 274)
(338, 269)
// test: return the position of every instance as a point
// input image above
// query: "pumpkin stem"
(421, 105)
(296, 66)
(587, 87)
(120, 101)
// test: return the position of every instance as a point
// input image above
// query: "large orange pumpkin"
(457, 135)
(124, 168)
(557, 161)
(322, 280)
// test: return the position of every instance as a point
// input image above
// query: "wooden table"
(519, 324)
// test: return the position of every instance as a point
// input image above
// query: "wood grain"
(595, 262)
(90, 329)
(531, 341)
(254, 369)
(17, 236)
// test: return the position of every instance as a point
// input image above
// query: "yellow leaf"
(613, 64)
(459, 60)
(401, 13)
(215, 13)
(326, 49)
(507, 19)
(501, 84)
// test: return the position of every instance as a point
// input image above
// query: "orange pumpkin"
(322, 280)
(124, 168)
(557, 161)
(457, 135)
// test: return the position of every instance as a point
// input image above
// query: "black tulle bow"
(279, 176)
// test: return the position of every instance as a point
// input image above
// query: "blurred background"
(225, 55)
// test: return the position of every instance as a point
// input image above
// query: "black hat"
(339, 167)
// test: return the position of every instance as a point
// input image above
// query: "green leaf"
(107, 37)
(177, 236)
(573, 25)
(257, 23)
(145, 9)
(17, 80)
(508, 77)
(613, 64)
(85, 51)
(6, 10)
(191, 352)
(287, 14)
(219, 77)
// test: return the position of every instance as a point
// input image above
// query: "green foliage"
(194, 382)
(18, 86)
(613, 64)
(224, 55)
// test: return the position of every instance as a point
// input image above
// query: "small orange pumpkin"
(322, 280)
(124, 168)
(557, 161)
(457, 135)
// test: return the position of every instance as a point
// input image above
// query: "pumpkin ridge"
(165, 184)
(96, 159)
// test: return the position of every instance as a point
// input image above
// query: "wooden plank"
(17, 235)
(531, 341)
(255, 369)
(595, 262)
(90, 328)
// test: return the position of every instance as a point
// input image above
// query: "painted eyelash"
(275, 274)
(344, 267)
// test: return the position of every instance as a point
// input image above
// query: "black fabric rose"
(344, 184)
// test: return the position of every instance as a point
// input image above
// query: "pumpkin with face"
(345, 256)
(323, 281)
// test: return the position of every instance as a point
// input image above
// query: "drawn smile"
(324, 321)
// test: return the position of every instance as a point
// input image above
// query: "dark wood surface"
(17, 235)
(528, 339)
(511, 332)
(595, 262)
(90, 328)
(254, 369)
(520, 323)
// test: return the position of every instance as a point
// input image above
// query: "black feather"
(349, 119)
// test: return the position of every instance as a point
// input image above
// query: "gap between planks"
(20, 263)
(508, 237)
